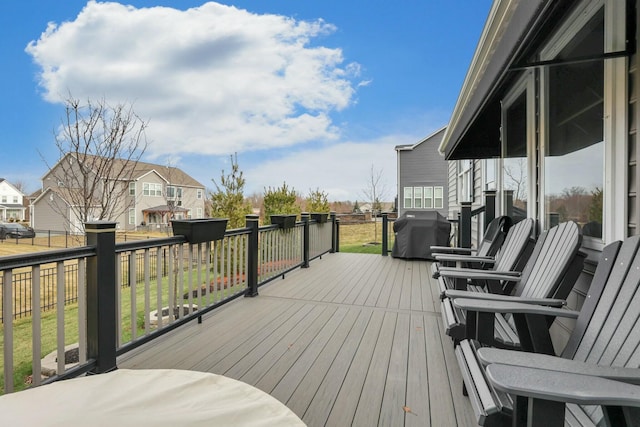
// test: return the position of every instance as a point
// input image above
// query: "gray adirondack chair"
(510, 260)
(598, 366)
(550, 273)
(483, 257)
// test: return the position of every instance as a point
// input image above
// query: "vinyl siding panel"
(423, 166)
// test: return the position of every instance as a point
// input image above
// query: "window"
(174, 192)
(408, 197)
(428, 197)
(15, 199)
(4, 199)
(465, 180)
(417, 197)
(490, 175)
(132, 216)
(438, 197)
(152, 189)
(575, 150)
(514, 153)
(199, 212)
(199, 194)
(132, 188)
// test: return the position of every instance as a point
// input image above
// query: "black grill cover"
(417, 231)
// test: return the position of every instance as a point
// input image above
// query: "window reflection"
(514, 152)
(574, 166)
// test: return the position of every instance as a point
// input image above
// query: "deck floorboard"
(352, 340)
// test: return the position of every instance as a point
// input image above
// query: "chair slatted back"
(550, 261)
(612, 336)
(494, 236)
(515, 247)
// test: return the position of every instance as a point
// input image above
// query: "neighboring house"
(152, 196)
(549, 111)
(422, 176)
(11, 202)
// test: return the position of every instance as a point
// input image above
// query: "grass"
(363, 238)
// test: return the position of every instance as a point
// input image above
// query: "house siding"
(47, 209)
(423, 166)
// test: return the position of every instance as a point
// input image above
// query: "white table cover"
(146, 397)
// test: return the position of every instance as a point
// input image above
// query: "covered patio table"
(146, 397)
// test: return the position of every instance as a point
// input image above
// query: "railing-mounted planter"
(319, 217)
(284, 221)
(200, 230)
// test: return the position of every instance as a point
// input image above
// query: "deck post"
(332, 218)
(385, 234)
(252, 256)
(101, 295)
(336, 231)
(305, 239)
(489, 207)
(465, 224)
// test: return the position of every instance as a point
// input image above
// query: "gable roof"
(435, 135)
(170, 174)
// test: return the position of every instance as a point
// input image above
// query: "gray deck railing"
(136, 291)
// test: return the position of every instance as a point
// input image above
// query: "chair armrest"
(562, 387)
(485, 306)
(470, 273)
(464, 258)
(455, 294)
(451, 250)
(488, 355)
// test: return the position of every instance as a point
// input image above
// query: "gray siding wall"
(423, 167)
(47, 213)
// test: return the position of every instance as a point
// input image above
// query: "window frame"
(409, 191)
(436, 198)
(428, 199)
(418, 198)
(152, 189)
(615, 136)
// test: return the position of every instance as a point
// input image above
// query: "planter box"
(200, 230)
(284, 221)
(320, 218)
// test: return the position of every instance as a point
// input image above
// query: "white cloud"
(341, 169)
(212, 80)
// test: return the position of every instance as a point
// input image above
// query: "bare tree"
(375, 192)
(99, 146)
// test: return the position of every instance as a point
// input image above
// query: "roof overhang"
(474, 127)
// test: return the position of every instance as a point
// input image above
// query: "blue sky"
(311, 92)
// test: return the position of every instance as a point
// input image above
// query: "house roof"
(408, 147)
(64, 193)
(165, 208)
(170, 174)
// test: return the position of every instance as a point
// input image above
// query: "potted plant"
(319, 217)
(284, 221)
(201, 229)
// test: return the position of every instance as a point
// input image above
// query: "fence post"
(336, 231)
(508, 202)
(305, 239)
(332, 216)
(101, 295)
(385, 234)
(252, 257)
(489, 207)
(465, 224)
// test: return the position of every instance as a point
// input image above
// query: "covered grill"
(417, 231)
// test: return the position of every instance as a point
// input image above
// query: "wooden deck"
(352, 340)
